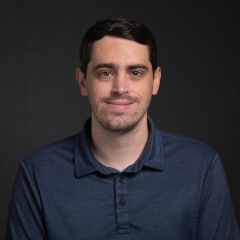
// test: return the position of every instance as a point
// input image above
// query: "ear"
(81, 81)
(156, 80)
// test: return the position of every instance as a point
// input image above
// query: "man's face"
(119, 83)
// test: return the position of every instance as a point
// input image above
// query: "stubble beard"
(119, 125)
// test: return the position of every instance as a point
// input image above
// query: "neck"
(118, 150)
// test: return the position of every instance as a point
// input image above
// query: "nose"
(120, 85)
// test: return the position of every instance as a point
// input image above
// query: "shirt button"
(122, 202)
(121, 179)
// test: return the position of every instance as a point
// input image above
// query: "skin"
(119, 84)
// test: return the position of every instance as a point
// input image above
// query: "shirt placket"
(122, 205)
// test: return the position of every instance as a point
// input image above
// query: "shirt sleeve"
(217, 219)
(25, 219)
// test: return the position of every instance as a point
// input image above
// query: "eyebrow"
(112, 66)
(137, 66)
(104, 65)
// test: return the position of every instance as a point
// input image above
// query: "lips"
(119, 105)
(120, 102)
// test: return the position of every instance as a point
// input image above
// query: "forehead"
(120, 51)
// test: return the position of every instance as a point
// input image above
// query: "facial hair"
(121, 126)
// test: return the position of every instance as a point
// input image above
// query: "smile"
(120, 105)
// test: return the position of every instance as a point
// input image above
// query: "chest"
(120, 207)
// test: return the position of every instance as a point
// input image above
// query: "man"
(121, 178)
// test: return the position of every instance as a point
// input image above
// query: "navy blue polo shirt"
(176, 190)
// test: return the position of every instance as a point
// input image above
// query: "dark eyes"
(133, 73)
(105, 74)
(136, 73)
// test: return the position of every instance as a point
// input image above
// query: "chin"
(120, 124)
(118, 121)
(120, 128)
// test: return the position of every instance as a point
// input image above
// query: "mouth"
(120, 105)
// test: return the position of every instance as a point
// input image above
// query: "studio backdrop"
(40, 102)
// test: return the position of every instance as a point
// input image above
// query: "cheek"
(143, 91)
(96, 92)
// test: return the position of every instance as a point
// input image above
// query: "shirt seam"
(33, 180)
(206, 178)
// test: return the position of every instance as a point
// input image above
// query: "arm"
(25, 219)
(217, 219)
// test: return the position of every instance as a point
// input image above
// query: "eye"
(105, 74)
(136, 73)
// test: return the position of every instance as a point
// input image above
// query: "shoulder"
(186, 143)
(61, 149)
(186, 149)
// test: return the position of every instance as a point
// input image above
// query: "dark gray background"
(40, 101)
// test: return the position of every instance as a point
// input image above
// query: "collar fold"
(86, 163)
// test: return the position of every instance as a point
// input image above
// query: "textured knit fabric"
(176, 190)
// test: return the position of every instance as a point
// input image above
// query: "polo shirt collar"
(86, 163)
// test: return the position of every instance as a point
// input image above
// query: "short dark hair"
(117, 27)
